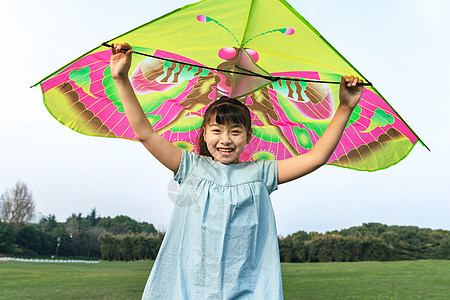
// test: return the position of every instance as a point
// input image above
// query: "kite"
(261, 52)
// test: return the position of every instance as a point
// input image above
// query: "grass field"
(423, 279)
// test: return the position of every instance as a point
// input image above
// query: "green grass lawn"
(423, 279)
(105, 280)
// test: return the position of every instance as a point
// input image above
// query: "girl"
(222, 241)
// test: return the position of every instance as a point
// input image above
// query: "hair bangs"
(227, 114)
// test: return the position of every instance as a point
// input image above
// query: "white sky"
(401, 46)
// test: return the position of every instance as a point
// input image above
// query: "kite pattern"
(288, 116)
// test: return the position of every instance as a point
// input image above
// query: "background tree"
(109, 246)
(300, 250)
(28, 237)
(7, 238)
(73, 224)
(48, 224)
(18, 206)
(92, 219)
(123, 224)
(92, 241)
(285, 248)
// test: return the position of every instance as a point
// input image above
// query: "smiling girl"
(222, 240)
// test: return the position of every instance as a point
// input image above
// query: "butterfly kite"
(261, 52)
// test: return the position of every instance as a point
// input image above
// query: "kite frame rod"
(247, 72)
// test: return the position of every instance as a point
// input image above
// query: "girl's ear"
(249, 135)
(203, 131)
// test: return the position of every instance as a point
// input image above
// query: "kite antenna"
(286, 31)
(206, 19)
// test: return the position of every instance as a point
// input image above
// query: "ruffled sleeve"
(188, 159)
(269, 173)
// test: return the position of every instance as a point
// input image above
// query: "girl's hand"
(120, 60)
(350, 91)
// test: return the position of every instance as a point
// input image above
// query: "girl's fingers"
(346, 79)
(125, 49)
(356, 81)
(120, 48)
(351, 80)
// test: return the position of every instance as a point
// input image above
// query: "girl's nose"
(226, 139)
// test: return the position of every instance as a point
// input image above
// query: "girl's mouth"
(225, 150)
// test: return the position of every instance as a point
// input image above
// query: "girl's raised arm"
(295, 167)
(168, 154)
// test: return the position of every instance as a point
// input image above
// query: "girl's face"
(226, 142)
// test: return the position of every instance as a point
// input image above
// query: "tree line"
(89, 236)
(130, 246)
(122, 238)
(92, 236)
(369, 242)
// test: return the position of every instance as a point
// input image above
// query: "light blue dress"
(221, 242)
